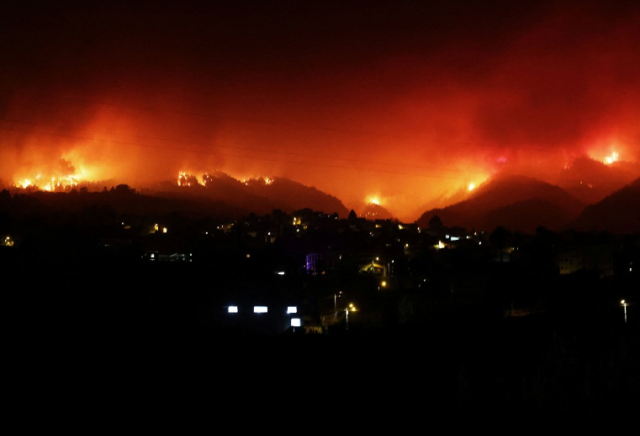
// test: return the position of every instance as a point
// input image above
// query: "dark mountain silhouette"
(291, 195)
(219, 188)
(122, 200)
(591, 181)
(519, 203)
(259, 196)
(616, 213)
(220, 196)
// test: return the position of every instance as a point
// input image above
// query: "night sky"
(407, 101)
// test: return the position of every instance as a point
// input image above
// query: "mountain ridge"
(518, 202)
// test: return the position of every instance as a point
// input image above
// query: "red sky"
(409, 101)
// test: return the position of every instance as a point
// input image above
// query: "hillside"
(259, 196)
(517, 202)
(591, 181)
(372, 211)
(616, 213)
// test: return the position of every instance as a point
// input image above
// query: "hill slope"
(517, 202)
(617, 213)
(257, 196)
(591, 181)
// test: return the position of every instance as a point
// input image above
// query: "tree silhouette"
(435, 223)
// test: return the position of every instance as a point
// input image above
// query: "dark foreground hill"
(259, 196)
(517, 202)
(617, 213)
(591, 181)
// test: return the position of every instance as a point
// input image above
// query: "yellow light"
(471, 187)
(373, 199)
(611, 158)
(383, 284)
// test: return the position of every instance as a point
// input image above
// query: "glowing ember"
(186, 179)
(55, 184)
(613, 157)
(183, 179)
(61, 183)
(23, 183)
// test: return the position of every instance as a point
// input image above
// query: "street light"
(351, 308)
(346, 311)
(624, 305)
(335, 303)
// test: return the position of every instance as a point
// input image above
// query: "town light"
(335, 303)
(351, 308)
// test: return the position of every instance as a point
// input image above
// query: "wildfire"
(613, 157)
(471, 187)
(26, 183)
(187, 179)
(373, 200)
(608, 155)
(55, 183)
(184, 179)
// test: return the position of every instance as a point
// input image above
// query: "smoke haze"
(408, 102)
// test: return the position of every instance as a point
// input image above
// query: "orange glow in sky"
(390, 102)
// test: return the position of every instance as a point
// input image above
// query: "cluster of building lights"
(291, 310)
